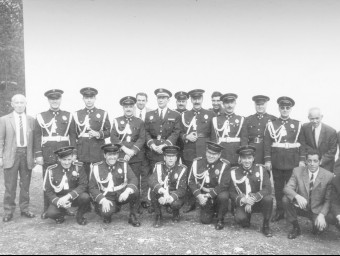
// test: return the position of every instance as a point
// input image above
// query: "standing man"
(251, 190)
(196, 130)
(284, 149)
(217, 106)
(16, 156)
(227, 129)
(140, 110)
(54, 129)
(162, 127)
(182, 101)
(321, 137)
(209, 181)
(254, 127)
(93, 127)
(129, 132)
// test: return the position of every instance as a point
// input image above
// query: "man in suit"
(217, 106)
(334, 217)
(16, 155)
(321, 137)
(308, 194)
(337, 163)
(141, 109)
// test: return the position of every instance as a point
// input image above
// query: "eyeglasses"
(285, 108)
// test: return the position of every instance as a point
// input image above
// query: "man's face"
(315, 117)
(128, 110)
(230, 106)
(216, 103)
(163, 101)
(54, 103)
(212, 156)
(111, 158)
(66, 162)
(285, 111)
(261, 108)
(247, 161)
(182, 104)
(141, 102)
(170, 160)
(197, 102)
(90, 101)
(313, 163)
(19, 104)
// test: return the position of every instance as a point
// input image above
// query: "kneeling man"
(65, 185)
(251, 190)
(113, 184)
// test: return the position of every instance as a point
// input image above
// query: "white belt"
(286, 145)
(54, 139)
(206, 190)
(115, 189)
(85, 135)
(229, 140)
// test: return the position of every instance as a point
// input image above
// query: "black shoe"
(81, 221)
(175, 216)
(7, 218)
(316, 231)
(169, 210)
(246, 225)
(69, 213)
(28, 215)
(219, 225)
(267, 231)
(107, 220)
(295, 233)
(134, 221)
(190, 208)
(145, 204)
(60, 220)
(279, 216)
(158, 221)
(44, 216)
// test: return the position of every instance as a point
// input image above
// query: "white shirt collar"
(164, 111)
(17, 115)
(315, 174)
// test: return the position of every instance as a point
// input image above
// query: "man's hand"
(1, 163)
(162, 200)
(127, 158)
(302, 164)
(162, 191)
(128, 151)
(39, 161)
(338, 218)
(94, 134)
(156, 149)
(169, 200)
(248, 208)
(192, 137)
(248, 201)
(124, 196)
(202, 200)
(320, 222)
(268, 166)
(106, 204)
(65, 201)
(302, 202)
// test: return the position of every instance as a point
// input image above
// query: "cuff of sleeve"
(239, 200)
(55, 201)
(99, 198)
(258, 197)
(38, 154)
(174, 196)
(136, 149)
(74, 195)
(213, 193)
(150, 143)
(101, 135)
(197, 193)
(157, 188)
(267, 158)
(133, 187)
(168, 143)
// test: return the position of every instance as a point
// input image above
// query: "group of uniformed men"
(184, 156)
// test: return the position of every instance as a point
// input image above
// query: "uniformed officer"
(254, 127)
(227, 129)
(209, 181)
(113, 184)
(93, 127)
(283, 149)
(129, 131)
(65, 185)
(196, 130)
(168, 185)
(217, 104)
(162, 127)
(251, 190)
(182, 101)
(54, 129)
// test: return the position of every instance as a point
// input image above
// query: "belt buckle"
(256, 140)
(287, 146)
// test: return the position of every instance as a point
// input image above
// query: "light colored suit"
(8, 144)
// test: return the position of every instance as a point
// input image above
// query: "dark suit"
(337, 164)
(327, 145)
(335, 201)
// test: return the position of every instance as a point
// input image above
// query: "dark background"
(12, 66)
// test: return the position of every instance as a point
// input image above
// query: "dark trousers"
(175, 206)
(281, 178)
(292, 213)
(11, 181)
(46, 200)
(189, 197)
(81, 202)
(145, 174)
(137, 170)
(87, 169)
(132, 200)
(265, 206)
(218, 205)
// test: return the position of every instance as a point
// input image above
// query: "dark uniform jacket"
(253, 133)
(204, 129)
(235, 127)
(335, 198)
(161, 132)
(180, 142)
(177, 180)
(122, 177)
(89, 150)
(284, 158)
(259, 180)
(217, 177)
(44, 129)
(132, 138)
(76, 179)
(219, 112)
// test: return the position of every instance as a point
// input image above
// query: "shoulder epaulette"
(52, 167)
(78, 164)
(99, 163)
(198, 159)
(260, 165)
(159, 163)
(224, 161)
(183, 166)
(234, 168)
(121, 160)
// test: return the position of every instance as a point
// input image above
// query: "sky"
(121, 47)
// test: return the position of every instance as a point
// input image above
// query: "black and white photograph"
(169, 127)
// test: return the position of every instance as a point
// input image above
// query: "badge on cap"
(151, 117)
(75, 174)
(98, 116)
(120, 171)
(176, 176)
(217, 172)
(257, 175)
(122, 122)
(64, 118)
(206, 117)
(292, 126)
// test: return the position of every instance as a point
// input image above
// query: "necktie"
(161, 115)
(314, 138)
(140, 115)
(311, 186)
(22, 140)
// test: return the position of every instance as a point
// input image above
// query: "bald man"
(321, 137)
(16, 156)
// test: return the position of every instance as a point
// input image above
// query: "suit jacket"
(337, 164)
(335, 198)
(327, 145)
(321, 195)
(8, 144)
(135, 111)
